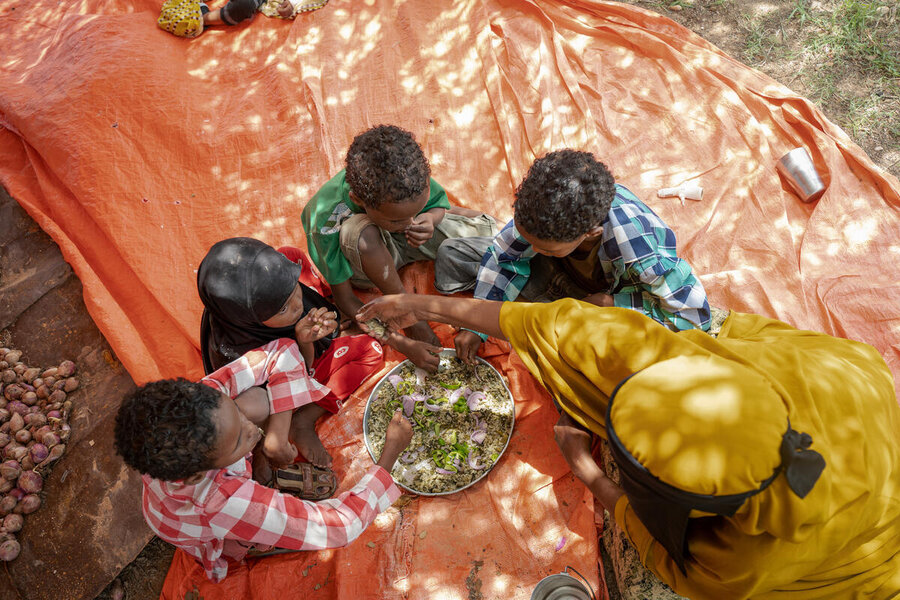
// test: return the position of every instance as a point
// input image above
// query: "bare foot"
(303, 434)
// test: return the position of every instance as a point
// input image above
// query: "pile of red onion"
(34, 427)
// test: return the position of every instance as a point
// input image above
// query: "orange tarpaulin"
(137, 150)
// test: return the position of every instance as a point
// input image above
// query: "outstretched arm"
(575, 444)
(402, 310)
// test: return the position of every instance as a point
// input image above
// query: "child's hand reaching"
(422, 354)
(285, 9)
(315, 325)
(420, 230)
(397, 437)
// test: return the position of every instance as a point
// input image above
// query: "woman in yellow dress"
(760, 464)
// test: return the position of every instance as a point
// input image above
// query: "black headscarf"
(243, 282)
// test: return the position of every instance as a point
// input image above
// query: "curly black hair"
(564, 195)
(385, 164)
(165, 428)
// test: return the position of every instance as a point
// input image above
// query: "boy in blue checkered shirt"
(577, 234)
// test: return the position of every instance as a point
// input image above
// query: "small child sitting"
(253, 294)
(382, 212)
(576, 233)
(192, 443)
(188, 18)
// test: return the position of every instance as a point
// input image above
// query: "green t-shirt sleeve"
(438, 197)
(322, 218)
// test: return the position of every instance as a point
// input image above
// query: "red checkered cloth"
(226, 513)
(280, 366)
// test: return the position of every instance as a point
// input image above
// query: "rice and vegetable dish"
(462, 418)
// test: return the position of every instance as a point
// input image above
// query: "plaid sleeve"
(278, 364)
(505, 268)
(252, 513)
(657, 282)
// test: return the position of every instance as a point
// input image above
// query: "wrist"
(388, 459)
(397, 342)
(586, 469)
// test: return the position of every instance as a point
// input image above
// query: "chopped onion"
(421, 374)
(475, 462)
(408, 405)
(443, 471)
(407, 457)
(478, 435)
(473, 400)
(395, 380)
(430, 406)
(454, 396)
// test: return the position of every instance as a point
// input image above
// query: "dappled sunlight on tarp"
(137, 151)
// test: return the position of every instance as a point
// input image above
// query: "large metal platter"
(447, 352)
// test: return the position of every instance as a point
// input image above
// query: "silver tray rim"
(446, 352)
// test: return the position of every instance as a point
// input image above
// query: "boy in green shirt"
(383, 211)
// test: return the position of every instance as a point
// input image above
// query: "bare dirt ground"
(844, 55)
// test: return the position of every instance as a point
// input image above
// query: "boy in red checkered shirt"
(192, 443)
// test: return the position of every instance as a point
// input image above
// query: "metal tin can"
(562, 586)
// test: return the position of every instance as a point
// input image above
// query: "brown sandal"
(306, 481)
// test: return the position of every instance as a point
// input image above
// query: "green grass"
(761, 42)
(843, 45)
(853, 31)
(844, 55)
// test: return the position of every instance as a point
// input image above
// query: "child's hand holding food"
(315, 325)
(420, 230)
(467, 345)
(396, 438)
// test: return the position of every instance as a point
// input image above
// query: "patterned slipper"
(306, 481)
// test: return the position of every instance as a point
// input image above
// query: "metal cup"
(563, 586)
(798, 169)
